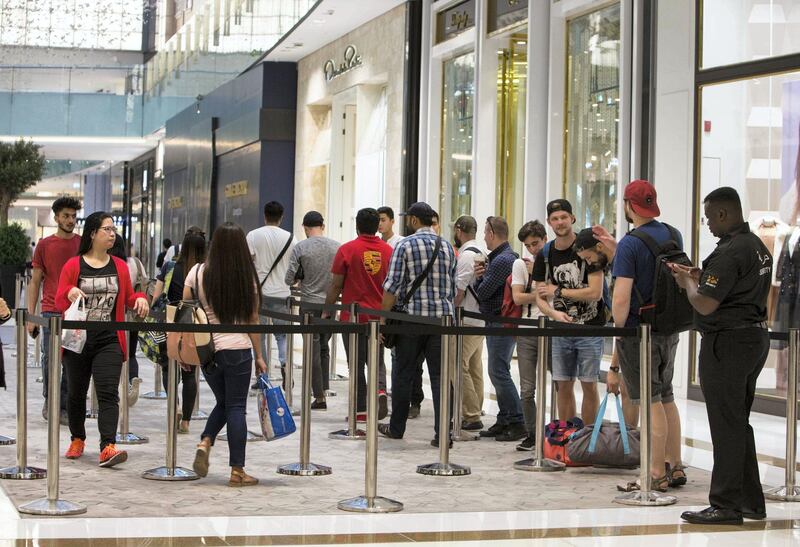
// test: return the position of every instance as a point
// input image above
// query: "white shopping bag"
(74, 339)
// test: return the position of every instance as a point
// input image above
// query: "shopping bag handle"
(623, 429)
(598, 423)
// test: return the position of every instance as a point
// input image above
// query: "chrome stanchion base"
(166, 474)
(23, 473)
(154, 395)
(131, 438)
(782, 493)
(7, 440)
(329, 393)
(340, 378)
(464, 436)
(52, 508)
(642, 499)
(251, 436)
(344, 435)
(39, 380)
(304, 469)
(199, 415)
(363, 504)
(543, 465)
(444, 469)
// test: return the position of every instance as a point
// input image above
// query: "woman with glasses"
(103, 282)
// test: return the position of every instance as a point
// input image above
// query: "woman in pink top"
(227, 287)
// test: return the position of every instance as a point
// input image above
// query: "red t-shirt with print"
(50, 255)
(364, 263)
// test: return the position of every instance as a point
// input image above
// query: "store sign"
(455, 20)
(505, 13)
(175, 203)
(235, 189)
(351, 61)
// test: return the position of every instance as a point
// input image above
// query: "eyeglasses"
(109, 229)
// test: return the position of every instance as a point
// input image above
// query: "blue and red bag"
(557, 435)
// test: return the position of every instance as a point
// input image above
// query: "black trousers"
(417, 395)
(189, 393)
(104, 364)
(361, 369)
(730, 362)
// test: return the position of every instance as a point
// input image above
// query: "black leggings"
(104, 364)
(189, 389)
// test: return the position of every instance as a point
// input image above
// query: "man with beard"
(634, 272)
(49, 257)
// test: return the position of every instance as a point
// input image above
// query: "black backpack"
(669, 311)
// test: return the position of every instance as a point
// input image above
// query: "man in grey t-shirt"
(310, 265)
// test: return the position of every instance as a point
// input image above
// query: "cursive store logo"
(351, 61)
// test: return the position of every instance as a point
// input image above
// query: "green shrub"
(15, 245)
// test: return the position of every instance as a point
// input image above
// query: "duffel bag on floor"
(557, 437)
(606, 444)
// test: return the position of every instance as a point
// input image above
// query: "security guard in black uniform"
(729, 296)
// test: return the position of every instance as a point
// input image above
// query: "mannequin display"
(772, 232)
(787, 303)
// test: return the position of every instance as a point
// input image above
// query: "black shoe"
(254, 387)
(527, 444)
(713, 515)
(493, 431)
(435, 442)
(760, 514)
(319, 405)
(472, 426)
(383, 405)
(384, 430)
(513, 432)
(413, 412)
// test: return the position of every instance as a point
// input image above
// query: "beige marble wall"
(381, 45)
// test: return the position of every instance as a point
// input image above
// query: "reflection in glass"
(592, 121)
(458, 104)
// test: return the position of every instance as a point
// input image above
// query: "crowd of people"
(565, 279)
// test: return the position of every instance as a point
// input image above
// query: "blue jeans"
(229, 378)
(500, 349)
(277, 305)
(577, 357)
(45, 348)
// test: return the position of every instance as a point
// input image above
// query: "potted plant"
(14, 251)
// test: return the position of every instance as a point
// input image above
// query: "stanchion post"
(370, 502)
(289, 367)
(333, 351)
(790, 491)
(645, 496)
(18, 293)
(37, 353)
(197, 413)
(539, 463)
(352, 432)
(156, 393)
(458, 384)
(125, 436)
(304, 467)
(443, 467)
(52, 505)
(21, 471)
(170, 471)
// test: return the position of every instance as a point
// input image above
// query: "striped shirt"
(434, 298)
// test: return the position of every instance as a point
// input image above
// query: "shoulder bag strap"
(280, 256)
(469, 287)
(421, 277)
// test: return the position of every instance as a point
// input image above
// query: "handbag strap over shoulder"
(421, 277)
(278, 259)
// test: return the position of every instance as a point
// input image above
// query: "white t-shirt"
(520, 276)
(221, 341)
(266, 243)
(465, 275)
(394, 240)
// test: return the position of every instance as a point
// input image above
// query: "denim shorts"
(576, 358)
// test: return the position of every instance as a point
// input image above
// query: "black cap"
(313, 219)
(419, 209)
(585, 240)
(559, 205)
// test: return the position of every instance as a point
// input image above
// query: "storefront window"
(458, 103)
(512, 75)
(746, 30)
(592, 122)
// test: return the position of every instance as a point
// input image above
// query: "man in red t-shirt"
(359, 268)
(49, 257)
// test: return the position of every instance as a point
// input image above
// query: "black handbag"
(389, 340)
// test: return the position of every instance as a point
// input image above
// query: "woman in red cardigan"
(104, 282)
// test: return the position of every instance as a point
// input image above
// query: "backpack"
(509, 308)
(606, 293)
(668, 311)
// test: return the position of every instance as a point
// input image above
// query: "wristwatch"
(557, 292)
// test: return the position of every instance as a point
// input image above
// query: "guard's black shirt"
(737, 275)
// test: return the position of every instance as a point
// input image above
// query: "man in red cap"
(634, 270)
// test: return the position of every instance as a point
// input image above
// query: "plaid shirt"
(489, 288)
(434, 298)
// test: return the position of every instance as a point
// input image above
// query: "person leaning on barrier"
(310, 266)
(49, 257)
(227, 287)
(465, 230)
(434, 298)
(533, 236)
(571, 291)
(104, 283)
(634, 273)
(359, 270)
(729, 295)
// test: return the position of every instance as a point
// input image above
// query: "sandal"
(240, 478)
(200, 465)
(659, 484)
(676, 475)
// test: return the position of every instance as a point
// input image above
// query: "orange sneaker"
(75, 449)
(110, 456)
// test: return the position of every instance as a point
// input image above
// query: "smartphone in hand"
(35, 332)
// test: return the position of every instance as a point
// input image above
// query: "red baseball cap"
(642, 197)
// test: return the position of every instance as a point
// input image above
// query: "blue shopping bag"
(273, 412)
